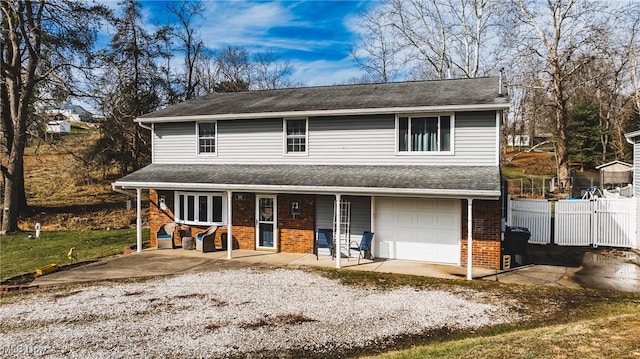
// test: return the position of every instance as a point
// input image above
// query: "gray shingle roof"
(478, 91)
(419, 180)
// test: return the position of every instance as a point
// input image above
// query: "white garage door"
(418, 229)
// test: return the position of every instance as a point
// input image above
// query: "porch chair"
(165, 235)
(364, 247)
(324, 239)
(205, 240)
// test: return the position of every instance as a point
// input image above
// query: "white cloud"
(323, 72)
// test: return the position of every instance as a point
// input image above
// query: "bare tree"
(233, 69)
(44, 44)
(130, 86)
(565, 36)
(378, 51)
(269, 72)
(190, 44)
(449, 38)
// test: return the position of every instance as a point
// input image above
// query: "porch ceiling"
(427, 181)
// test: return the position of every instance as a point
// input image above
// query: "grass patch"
(18, 254)
(612, 333)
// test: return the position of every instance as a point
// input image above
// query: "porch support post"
(469, 238)
(336, 249)
(373, 222)
(229, 224)
(139, 219)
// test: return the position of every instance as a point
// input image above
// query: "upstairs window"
(424, 133)
(296, 136)
(199, 208)
(207, 137)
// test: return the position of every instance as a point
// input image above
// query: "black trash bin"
(515, 244)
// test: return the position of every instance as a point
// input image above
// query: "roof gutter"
(312, 113)
(631, 135)
(118, 190)
(361, 191)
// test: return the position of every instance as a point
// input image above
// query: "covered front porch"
(274, 200)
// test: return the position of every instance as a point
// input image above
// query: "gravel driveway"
(235, 313)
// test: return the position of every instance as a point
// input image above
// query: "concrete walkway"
(554, 266)
(154, 262)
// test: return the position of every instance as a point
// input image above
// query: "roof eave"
(361, 191)
(631, 135)
(338, 112)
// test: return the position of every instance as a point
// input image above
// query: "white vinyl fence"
(599, 222)
(534, 214)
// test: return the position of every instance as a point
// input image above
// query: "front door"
(266, 217)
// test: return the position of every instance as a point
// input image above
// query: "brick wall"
(486, 234)
(158, 217)
(244, 217)
(296, 233)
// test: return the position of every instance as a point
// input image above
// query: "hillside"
(64, 192)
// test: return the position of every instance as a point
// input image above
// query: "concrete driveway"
(577, 267)
(567, 267)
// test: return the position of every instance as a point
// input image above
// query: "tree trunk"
(14, 194)
(564, 175)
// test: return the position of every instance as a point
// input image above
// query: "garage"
(418, 229)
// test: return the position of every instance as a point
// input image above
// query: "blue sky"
(314, 36)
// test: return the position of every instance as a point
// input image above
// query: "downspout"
(118, 190)
(145, 126)
(469, 239)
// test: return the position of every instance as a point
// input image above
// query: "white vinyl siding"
(362, 140)
(636, 185)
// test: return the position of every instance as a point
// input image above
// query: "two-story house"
(417, 163)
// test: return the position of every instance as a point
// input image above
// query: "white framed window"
(200, 208)
(207, 137)
(295, 133)
(424, 133)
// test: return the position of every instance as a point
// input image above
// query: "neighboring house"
(70, 113)
(417, 163)
(58, 126)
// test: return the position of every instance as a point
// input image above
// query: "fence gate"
(534, 214)
(573, 225)
(615, 223)
(598, 222)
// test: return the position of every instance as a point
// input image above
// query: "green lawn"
(612, 332)
(19, 254)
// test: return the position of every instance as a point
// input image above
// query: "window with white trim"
(205, 208)
(296, 136)
(425, 133)
(207, 132)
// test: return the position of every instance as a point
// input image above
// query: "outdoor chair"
(364, 247)
(324, 239)
(205, 240)
(223, 241)
(165, 236)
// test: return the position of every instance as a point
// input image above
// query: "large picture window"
(296, 136)
(199, 208)
(207, 138)
(424, 133)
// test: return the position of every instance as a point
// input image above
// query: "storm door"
(266, 222)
